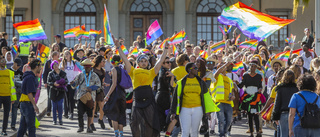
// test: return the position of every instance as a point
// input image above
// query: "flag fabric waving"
(15, 50)
(30, 30)
(106, 27)
(238, 66)
(82, 33)
(135, 52)
(154, 32)
(252, 44)
(178, 38)
(161, 46)
(252, 23)
(218, 45)
(124, 49)
(94, 33)
(43, 52)
(237, 40)
(70, 32)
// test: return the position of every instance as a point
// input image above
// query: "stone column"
(179, 15)
(46, 16)
(113, 11)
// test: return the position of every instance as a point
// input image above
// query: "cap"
(306, 29)
(58, 35)
(18, 61)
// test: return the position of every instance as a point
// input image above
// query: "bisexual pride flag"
(153, 32)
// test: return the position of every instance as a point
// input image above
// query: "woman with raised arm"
(144, 118)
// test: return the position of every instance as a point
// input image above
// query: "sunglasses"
(210, 62)
(168, 62)
(195, 68)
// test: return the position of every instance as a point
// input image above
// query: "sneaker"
(259, 135)
(55, 123)
(101, 124)
(248, 131)
(71, 117)
(228, 134)
(65, 116)
(13, 129)
(93, 128)
(89, 130)
(60, 122)
(80, 129)
(3, 133)
(212, 132)
(48, 114)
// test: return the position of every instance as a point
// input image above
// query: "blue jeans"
(27, 120)
(57, 105)
(14, 111)
(306, 132)
(224, 118)
(284, 127)
(175, 131)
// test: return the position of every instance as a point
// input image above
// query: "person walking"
(28, 106)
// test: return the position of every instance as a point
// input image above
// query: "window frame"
(280, 45)
(13, 29)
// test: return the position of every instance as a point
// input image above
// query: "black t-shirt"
(249, 80)
(61, 46)
(17, 74)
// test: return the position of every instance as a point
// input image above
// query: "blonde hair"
(315, 64)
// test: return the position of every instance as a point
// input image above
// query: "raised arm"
(122, 55)
(163, 57)
(221, 69)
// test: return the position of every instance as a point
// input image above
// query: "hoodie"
(29, 83)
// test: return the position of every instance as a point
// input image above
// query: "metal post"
(317, 26)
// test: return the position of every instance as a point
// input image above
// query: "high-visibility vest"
(218, 92)
(24, 48)
(209, 105)
(12, 87)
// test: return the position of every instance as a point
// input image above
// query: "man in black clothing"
(17, 82)
(3, 40)
(58, 41)
(307, 38)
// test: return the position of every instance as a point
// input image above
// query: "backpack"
(311, 114)
(125, 81)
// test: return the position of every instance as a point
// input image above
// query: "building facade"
(129, 18)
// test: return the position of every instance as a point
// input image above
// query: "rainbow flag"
(203, 54)
(43, 52)
(284, 56)
(154, 32)
(82, 33)
(15, 50)
(145, 51)
(218, 45)
(252, 23)
(70, 32)
(30, 30)
(135, 52)
(106, 27)
(237, 40)
(83, 27)
(223, 32)
(161, 46)
(124, 49)
(229, 28)
(178, 38)
(238, 66)
(174, 50)
(291, 39)
(252, 44)
(94, 33)
(71, 52)
(268, 64)
(117, 52)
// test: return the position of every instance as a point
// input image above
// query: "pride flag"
(83, 27)
(218, 45)
(82, 33)
(291, 39)
(252, 44)
(43, 52)
(203, 54)
(124, 49)
(71, 52)
(30, 30)
(161, 46)
(106, 27)
(223, 32)
(70, 32)
(15, 50)
(238, 66)
(178, 38)
(252, 23)
(94, 33)
(135, 52)
(154, 32)
(174, 50)
(237, 40)
(145, 51)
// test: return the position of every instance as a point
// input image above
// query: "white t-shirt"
(69, 69)
(271, 81)
(235, 76)
(306, 60)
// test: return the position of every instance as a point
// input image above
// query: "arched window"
(142, 14)
(207, 20)
(79, 12)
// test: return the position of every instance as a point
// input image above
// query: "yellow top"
(191, 93)
(227, 90)
(24, 97)
(5, 84)
(273, 92)
(179, 72)
(141, 77)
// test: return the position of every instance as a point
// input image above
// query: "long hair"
(296, 70)
(288, 77)
(202, 68)
(314, 65)
(97, 60)
(64, 58)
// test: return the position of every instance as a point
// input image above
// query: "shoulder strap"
(304, 98)
(315, 101)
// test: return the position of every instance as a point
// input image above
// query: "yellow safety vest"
(209, 105)
(24, 48)
(218, 92)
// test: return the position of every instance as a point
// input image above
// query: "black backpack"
(311, 114)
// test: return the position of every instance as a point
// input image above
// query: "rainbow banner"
(252, 44)
(94, 33)
(237, 40)
(82, 33)
(218, 45)
(30, 30)
(135, 52)
(43, 52)
(124, 49)
(15, 50)
(252, 23)
(106, 27)
(154, 32)
(238, 66)
(70, 32)
(178, 38)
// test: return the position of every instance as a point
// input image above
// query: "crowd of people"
(159, 90)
